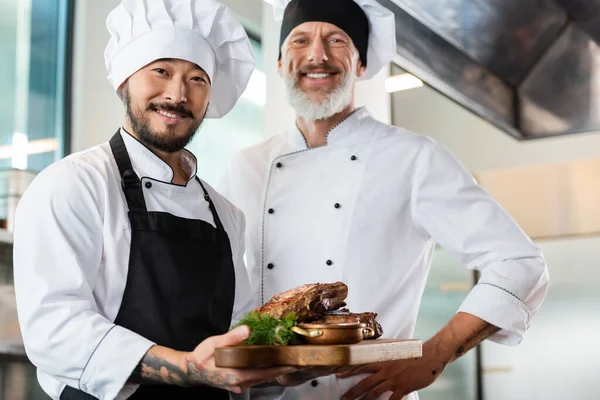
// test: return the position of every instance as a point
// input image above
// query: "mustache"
(176, 109)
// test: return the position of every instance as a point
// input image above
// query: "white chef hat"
(199, 31)
(382, 25)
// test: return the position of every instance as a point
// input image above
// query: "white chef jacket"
(71, 253)
(367, 209)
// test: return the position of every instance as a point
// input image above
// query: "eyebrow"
(334, 32)
(171, 60)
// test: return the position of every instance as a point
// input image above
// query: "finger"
(231, 338)
(249, 384)
(351, 369)
(379, 390)
(359, 369)
(279, 374)
(399, 394)
(345, 370)
(324, 371)
(363, 387)
(263, 374)
(234, 389)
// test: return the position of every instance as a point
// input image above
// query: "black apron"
(180, 283)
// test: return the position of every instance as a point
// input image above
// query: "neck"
(315, 132)
(180, 177)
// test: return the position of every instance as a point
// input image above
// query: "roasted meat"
(308, 301)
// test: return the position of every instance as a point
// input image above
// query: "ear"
(279, 67)
(120, 91)
(122, 85)
(360, 69)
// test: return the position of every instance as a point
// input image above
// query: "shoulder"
(425, 153)
(261, 151)
(80, 178)
(94, 162)
(390, 134)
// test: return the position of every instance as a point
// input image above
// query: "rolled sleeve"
(464, 219)
(112, 362)
(501, 309)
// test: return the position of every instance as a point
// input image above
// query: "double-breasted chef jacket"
(367, 209)
(72, 261)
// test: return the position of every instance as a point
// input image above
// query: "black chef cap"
(345, 14)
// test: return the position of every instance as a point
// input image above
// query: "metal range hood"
(530, 67)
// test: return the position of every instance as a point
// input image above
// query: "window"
(33, 134)
(33, 61)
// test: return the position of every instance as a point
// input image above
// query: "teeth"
(167, 114)
(318, 76)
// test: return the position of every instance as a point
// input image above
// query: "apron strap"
(132, 186)
(211, 205)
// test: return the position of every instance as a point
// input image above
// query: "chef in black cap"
(345, 197)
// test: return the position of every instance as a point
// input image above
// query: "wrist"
(438, 349)
(437, 355)
(189, 365)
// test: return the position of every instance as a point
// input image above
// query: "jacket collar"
(147, 164)
(347, 130)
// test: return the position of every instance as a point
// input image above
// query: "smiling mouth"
(318, 75)
(170, 114)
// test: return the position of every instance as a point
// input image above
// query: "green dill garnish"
(268, 330)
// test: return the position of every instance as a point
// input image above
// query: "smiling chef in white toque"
(128, 268)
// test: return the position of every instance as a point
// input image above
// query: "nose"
(176, 91)
(318, 52)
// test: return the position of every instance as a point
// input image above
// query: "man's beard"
(167, 141)
(313, 110)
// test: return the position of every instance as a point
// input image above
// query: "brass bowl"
(349, 333)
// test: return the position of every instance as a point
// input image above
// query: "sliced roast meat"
(308, 301)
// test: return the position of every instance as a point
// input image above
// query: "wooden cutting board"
(367, 351)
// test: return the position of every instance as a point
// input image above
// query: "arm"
(448, 206)
(461, 334)
(162, 365)
(58, 247)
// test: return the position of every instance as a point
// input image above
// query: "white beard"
(313, 110)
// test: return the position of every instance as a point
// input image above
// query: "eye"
(337, 41)
(160, 71)
(199, 79)
(300, 41)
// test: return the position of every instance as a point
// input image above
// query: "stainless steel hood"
(531, 67)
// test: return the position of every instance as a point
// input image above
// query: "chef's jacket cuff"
(500, 308)
(112, 363)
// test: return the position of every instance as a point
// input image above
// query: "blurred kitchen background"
(511, 87)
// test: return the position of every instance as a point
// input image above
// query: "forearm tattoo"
(154, 369)
(478, 337)
(198, 375)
